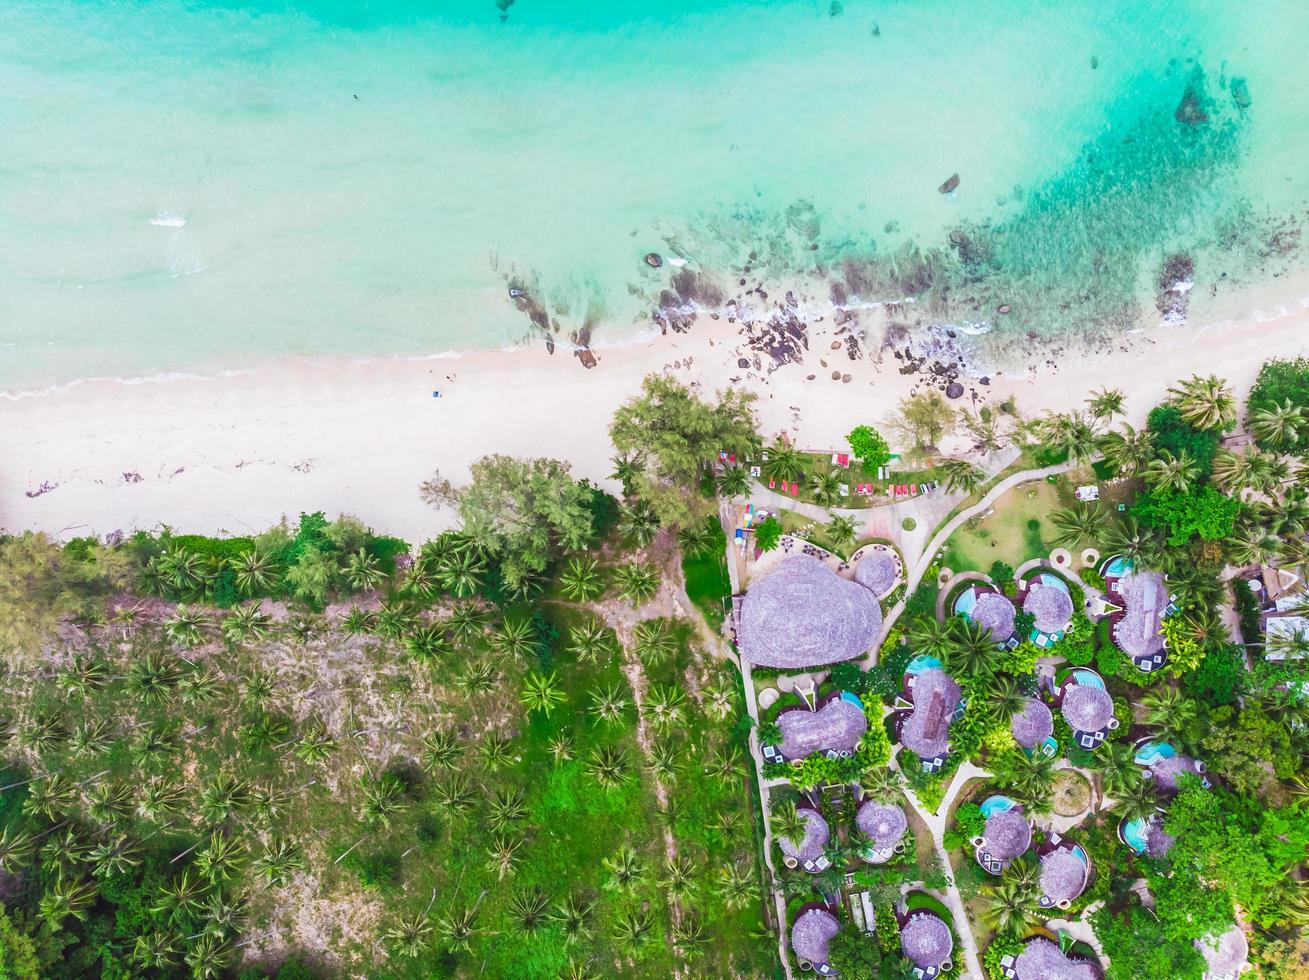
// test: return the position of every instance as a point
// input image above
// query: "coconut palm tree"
(929, 636)
(971, 650)
(627, 471)
(279, 862)
(16, 849)
(410, 936)
(665, 704)
(186, 627)
(574, 917)
(733, 481)
(224, 915)
(541, 692)
(110, 802)
(690, 935)
(1105, 403)
(68, 850)
(1168, 472)
(442, 749)
(156, 949)
(578, 970)
(65, 896)
(737, 887)
(1029, 778)
(637, 582)
(720, 702)
(638, 523)
(1070, 434)
(1139, 800)
(1009, 907)
(1138, 545)
(50, 797)
(224, 795)
(478, 675)
(591, 641)
(496, 751)
(455, 793)
(181, 897)
(664, 762)
(825, 487)
(885, 785)
(256, 572)
(789, 823)
(1279, 427)
(42, 732)
(1233, 471)
(1127, 450)
(625, 868)
(1007, 695)
(1172, 712)
(221, 859)
(199, 685)
(724, 762)
(581, 580)
(632, 930)
(462, 572)
(384, 798)
(458, 926)
(696, 539)
(841, 531)
(530, 910)
(86, 673)
(246, 623)
(961, 475)
(1116, 763)
(506, 807)
(516, 637)
(159, 798)
(1294, 553)
(315, 744)
(1206, 403)
(466, 622)
(784, 462)
(363, 571)
(653, 642)
(1078, 523)
(608, 704)
(608, 766)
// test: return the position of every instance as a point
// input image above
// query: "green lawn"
(707, 581)
(1008, 534)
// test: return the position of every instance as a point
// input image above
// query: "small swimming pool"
(1151, 752)
(1089, 678)
(1117, 566)
(922, 662)
(996, 804)
(966, 603)
(1135, 834)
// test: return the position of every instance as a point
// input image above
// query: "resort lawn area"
(1016, 529)
(707, 581)
(820, 464)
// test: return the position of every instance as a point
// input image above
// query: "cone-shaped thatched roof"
(838, 724)
(994, 613)
(1086, 708)
(926, 732)
(1165, 772)
(1008, 834)
(811, 931)
(877, 572)
(1226, 954)
(1145, 597)
(1051, 605)
(1043, 960)
(926, 940)
(815, 838)
(803, 614)
(882, 823)
(1157, 842)
(1063, 875)
(1032, 724)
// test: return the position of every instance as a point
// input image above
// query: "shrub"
(1247, 608)
(1092, 578)
(1001, 572)
(767, 533)
(1110, 661)
(376, 871)
(969, 820)
(1178, 436)
(848, 677)
(908, 524)
(869, 446)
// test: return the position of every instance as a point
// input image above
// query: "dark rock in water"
(503, 6)
(954, 390)
(549, 345)
(1240, 93)
(835, 10)
(950, 184)
(891, 227)
(742, 362)
(1174, 287)
(846, 379)
(877, 30)
(836, 345)
(586, 357)
(1003, 308)
(1095, 62)
(1190, 111)
(654, 260)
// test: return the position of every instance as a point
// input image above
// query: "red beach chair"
(795, 489)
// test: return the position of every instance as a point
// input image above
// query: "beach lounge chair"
(772, 484)
(844, 490)
(795, 489)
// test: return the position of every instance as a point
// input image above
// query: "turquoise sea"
(187, 186)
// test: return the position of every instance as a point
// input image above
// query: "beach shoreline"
(234, 452)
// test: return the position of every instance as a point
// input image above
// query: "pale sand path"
(234, 454)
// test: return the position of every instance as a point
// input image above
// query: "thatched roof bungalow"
(884, 824)
(805, 615)
(1086, 706)
(1065, 873)
(808, 853)
(1166, 773)
(878, 571)
(1032, 724)
(927, 942)
(835, 728)
(926, 731)
(1225, 956)
(1044, 960)
(1138, 629)
(1051, 604)
(812, 930)
(1006, 836)
(989, 609)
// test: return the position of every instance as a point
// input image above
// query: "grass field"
(707, 581)
(1007, 533)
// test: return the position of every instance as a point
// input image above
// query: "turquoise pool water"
(922, 663)
(189, 185)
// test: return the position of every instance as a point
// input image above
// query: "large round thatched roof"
(1031, 724)
(1051, 605)
(926, 940)
(882, 823)
(1225, 954)
(1145, 597)
(1165, 772)
(803, 615)
(995, 614)
(811, 931)
(877, 572)
(1086, 708)
(926, 732)
(1043, 960)
(1008, 834)
(838, 724)
(815, 838)
(1063, 875)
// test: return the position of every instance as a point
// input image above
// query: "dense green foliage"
(869, 447)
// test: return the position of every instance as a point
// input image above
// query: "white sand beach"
(233, 454)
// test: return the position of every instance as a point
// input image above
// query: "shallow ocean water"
(189, 186)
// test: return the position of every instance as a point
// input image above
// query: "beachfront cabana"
(1047, 598)
(804, 615)
(878, 571)
(809, 852)
(1041, 959)
(1146, 836)
(834, 729)
(990, 610)
(884, 825)
(1087, 707)
(812, 930)
(1166, 766)
(1065, 872)
(925, 938)
(1032, 726)
(1225, 956)
(1143, 601)
(1006, 836)
(937, 703)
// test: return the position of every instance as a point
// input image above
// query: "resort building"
(1146, 836)
(1165, 766)
(812, 930)
(989, 609)
(1032, 726)
(1006, 836)
(1286, 634)
(1081, 698)
(834, 729)
(1047, 598)
(1065, 872)
(925, 936)
(803, 615)
(1143, 602)
(809, 852)
(877, 569)
(884, 826)
(1042, 959)
(935, 702)
(1225, 956)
